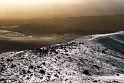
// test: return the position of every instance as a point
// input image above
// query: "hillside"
(91, 59)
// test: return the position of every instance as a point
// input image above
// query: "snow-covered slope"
(90, 59)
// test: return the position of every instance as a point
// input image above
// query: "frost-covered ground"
(90, 59)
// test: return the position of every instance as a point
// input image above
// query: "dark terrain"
(78, 26)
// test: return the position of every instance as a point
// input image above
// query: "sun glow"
(29, 1)
(38, 8)
(39, 1)
(54, 8)
(15, 1)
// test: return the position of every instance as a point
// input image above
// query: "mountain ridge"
(83, 60)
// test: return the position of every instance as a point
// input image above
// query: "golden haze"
(55, 8)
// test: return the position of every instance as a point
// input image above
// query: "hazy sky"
(49, 8)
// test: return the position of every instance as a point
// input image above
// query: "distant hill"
(34, 29)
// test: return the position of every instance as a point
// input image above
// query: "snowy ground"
(90, 59)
